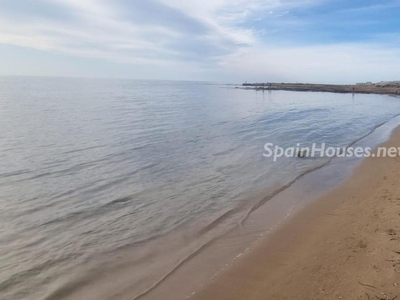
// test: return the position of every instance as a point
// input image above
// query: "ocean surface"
(110, 186)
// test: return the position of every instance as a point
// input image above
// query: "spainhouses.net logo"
(322, 150)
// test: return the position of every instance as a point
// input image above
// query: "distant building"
(381, 84)
(365, 84)
(388, 83)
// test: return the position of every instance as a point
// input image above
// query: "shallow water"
(91, 169)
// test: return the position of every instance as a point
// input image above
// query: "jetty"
(385, 88)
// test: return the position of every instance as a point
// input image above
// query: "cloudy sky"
(338, 41)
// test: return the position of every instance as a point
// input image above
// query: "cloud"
(105, 30)
(226, 38)
(228, 19)
(163, 31)
(339, 63)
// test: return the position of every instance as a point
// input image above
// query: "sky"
(320, 41)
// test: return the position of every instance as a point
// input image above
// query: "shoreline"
(189, 270)
(226, 251)
(329, 88)
(343, 245)
(204, 261)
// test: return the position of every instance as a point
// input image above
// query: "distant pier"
(391, 88)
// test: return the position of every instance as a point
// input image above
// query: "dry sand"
(345, 245)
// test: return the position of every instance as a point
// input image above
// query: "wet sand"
(344, 245)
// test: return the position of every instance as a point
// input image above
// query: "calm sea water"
(92, 166)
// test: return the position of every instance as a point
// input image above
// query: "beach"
(205, 150)
(344, 245)
(168, 191)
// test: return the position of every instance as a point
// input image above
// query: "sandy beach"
(344, 245)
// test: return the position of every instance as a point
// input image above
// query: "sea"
(142, 189)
